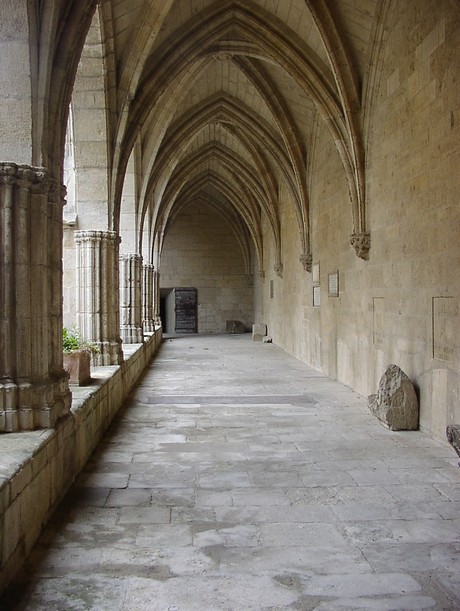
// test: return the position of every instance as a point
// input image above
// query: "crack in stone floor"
(237, 478)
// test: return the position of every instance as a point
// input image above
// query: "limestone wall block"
(91, 155)
(21, 480)
(5, 493)
(12, 530)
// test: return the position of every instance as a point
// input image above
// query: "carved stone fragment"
(307, 261)
(395, 403)
(259, 331)
(453, 437)
(235, 326)
(361, 242)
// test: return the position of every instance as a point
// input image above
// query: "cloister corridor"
(237, 478)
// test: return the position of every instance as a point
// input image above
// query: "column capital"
(94, 235)
(361, 242)
(25, 176)
(130, 257)
(306, 259)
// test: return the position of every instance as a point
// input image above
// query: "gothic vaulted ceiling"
(222, 98)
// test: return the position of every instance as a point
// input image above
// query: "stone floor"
(236, 478)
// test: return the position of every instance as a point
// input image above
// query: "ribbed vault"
(223, 99)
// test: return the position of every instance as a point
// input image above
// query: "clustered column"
(156, 299)
(97, 297)
(148, 289)
(34, 391)
(131, 299)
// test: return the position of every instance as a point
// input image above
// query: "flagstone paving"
(237, 478)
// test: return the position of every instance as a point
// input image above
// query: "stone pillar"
(148, 288)
(131, 299)
(34, 391)
(97, 295)
(156, 299)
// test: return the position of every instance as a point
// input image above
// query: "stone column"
(34, 391)
(148, 288)
(156, 299)
(97, 296)
(131, 299)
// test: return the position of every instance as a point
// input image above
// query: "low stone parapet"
(38, 467)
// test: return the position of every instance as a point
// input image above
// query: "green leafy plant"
(73, 341)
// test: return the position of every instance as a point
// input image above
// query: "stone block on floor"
(259, 331)
(235, 327)
(453, 437)
(395, 403)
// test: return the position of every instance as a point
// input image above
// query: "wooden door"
(186, 310)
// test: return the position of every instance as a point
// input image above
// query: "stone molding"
(361, 242)
(34, 391)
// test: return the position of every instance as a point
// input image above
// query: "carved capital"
(261, 274)
(24, 176)
(278, 267)
(28, 180)
(130, 257)
(89, 235)
(307, 261)
(361, 242)
(8, 173)
(223, 56)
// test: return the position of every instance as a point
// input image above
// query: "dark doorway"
(178, 310)
(186, 310)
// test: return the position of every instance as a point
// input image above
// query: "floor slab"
(237, 478)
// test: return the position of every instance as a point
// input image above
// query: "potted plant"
(77, 356)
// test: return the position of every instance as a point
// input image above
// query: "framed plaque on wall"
(333, 284)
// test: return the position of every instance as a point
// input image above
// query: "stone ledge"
(38, 467)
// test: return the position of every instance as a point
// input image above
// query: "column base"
(110, 353)
(26, 406)
(149, 325)
(132, 335)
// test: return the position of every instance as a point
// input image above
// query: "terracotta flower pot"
(78, 366)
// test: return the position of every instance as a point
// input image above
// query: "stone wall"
(401, 306)
(201, 251)
(70, 274)
(37, 467)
